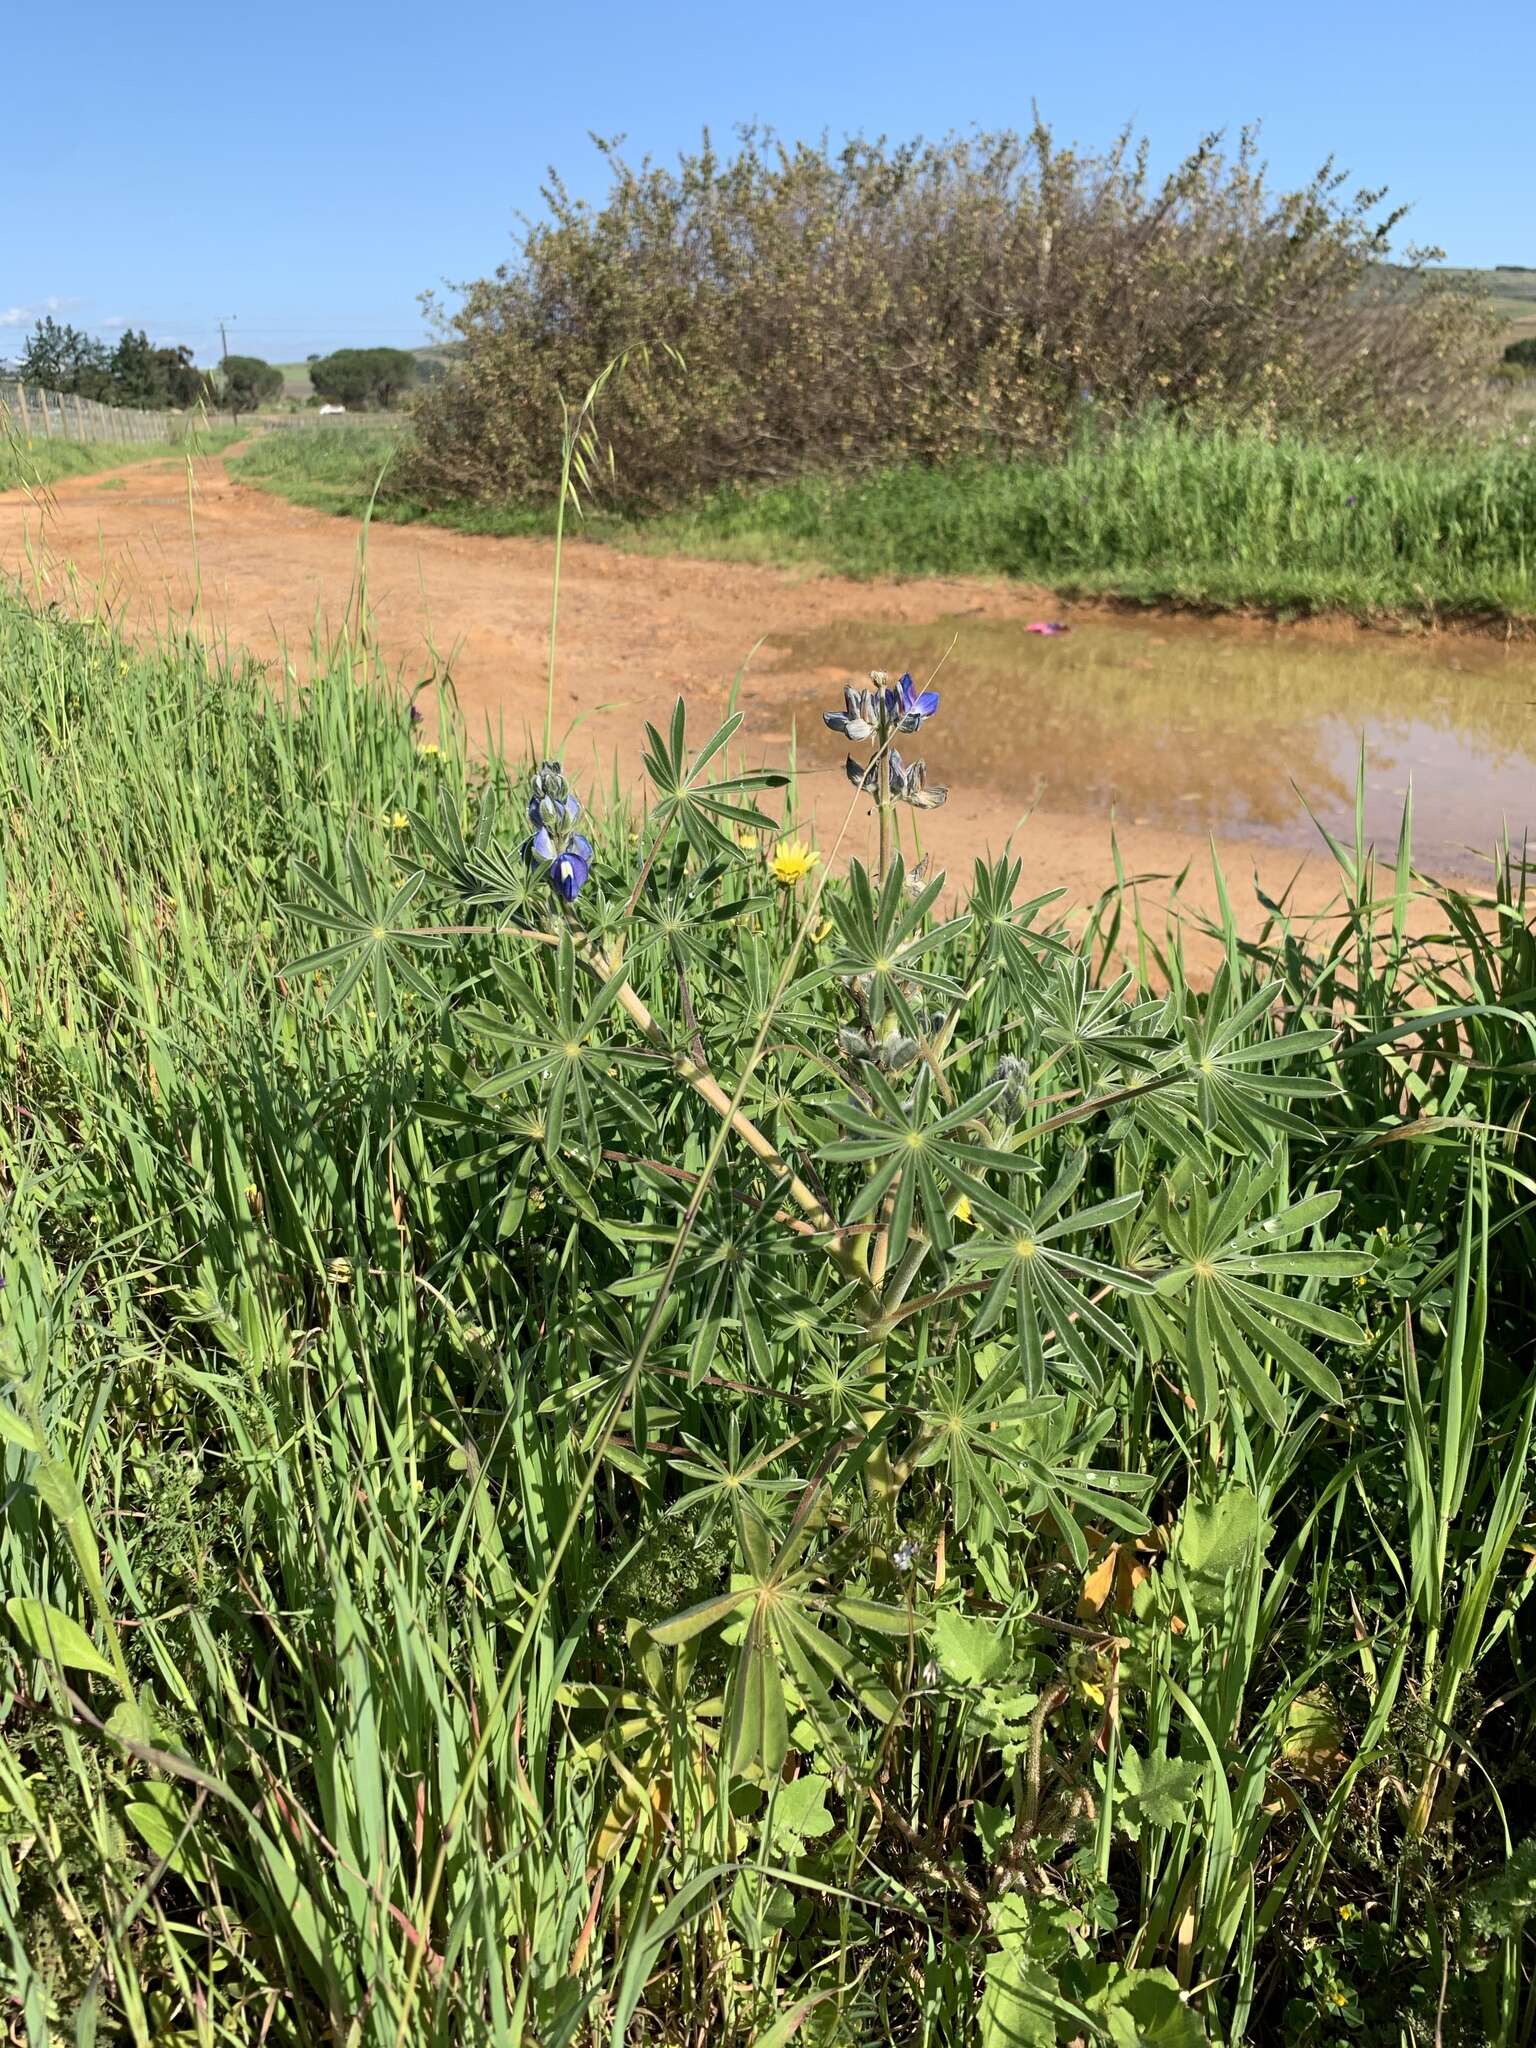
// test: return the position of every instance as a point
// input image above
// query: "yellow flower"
(822, 931)
(398, 821)
(792, 862)
(963, 1209)
(431, 750)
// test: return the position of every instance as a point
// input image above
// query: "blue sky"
(310, 171)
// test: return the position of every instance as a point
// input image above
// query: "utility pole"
(223, 342)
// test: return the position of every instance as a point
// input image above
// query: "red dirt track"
(636, 631)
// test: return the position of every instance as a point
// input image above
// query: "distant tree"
(1522, 353)
(62, 358)
(178, 379)
(363, 376)
(247, 383)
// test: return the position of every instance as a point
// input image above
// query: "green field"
(853, 1478)
(1218, 520)
(1512, 289)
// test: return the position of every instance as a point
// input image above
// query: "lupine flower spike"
(879, 713)
(564, 855)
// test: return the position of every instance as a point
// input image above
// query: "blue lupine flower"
(553, 810)
(858, 717)
(564, 855)
(569, 870)
(910, 705)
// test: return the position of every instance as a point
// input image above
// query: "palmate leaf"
(555, 1037)
(375, 938)
(1230, 1085)
(1226, 1257)
(1096, 1025)
(1030, 1256)
(787, 1639)
(733, 1275)
(483, 871)
(882, 944)
(698, 804)
(972, 1430)
(916, 1159)
(996, 1441)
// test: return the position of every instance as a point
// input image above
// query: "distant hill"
(1512, 287)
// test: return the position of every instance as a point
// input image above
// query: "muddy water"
(1208, 728)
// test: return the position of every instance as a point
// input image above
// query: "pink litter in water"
(1046, 626)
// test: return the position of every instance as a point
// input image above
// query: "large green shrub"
(845, 308)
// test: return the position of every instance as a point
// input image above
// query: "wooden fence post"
(21, 407)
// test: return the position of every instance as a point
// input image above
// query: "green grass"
(1219, 520)
(858, 1478)
(40, 462)
(339, 469)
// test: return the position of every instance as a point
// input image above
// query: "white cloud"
(23, 316)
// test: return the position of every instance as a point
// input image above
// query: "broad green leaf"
(1215, 1538)
(1018, 2006)
(56, 1636)
(969, 1652)
(1145, 2009)
(1158, 1790)
(799, 1813)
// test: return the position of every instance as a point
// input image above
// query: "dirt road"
(635, 632)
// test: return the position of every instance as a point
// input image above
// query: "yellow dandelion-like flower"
(792, 862)
(398, 821)
(431, 750)
(963, 1210)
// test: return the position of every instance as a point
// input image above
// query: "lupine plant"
(668, 1441)
(976, 1319)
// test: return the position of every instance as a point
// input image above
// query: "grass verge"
(1220, 521)
(847, 1476)
(36, 464)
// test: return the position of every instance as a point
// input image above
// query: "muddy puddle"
(1204, 728)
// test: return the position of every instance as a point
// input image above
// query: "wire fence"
(39, 415)
(281, 422)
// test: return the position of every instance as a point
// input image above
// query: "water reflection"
(1188, 723)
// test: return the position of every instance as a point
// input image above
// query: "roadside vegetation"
(613, 1434)
(38, 463)
(987, 356)
(837, 311)
(1232, 519)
